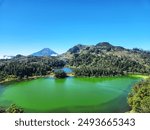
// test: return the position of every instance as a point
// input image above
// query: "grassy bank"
(139, 76)
(23, 79)
(52, 75)
(13, 78)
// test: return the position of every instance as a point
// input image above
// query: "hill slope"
(106, 59)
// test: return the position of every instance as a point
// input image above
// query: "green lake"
(69, 95)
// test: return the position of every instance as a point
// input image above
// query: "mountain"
(108, 47)
(108, 59)
(45, 52)
(102, 59)
(76, 48)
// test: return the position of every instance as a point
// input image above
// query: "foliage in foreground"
(139, 98)
(11, 109)
(14, 109)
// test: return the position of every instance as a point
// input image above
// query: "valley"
(83, 79)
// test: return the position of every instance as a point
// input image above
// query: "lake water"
(66, 70)
(70, 94)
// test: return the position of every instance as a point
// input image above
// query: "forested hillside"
(23, 67)
(102, 59)
(105, 59)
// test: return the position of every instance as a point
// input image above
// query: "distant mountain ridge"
(103, 47)
(100, 46)
(105, 56)
(102, 59)
(45, 52)
(76, 48)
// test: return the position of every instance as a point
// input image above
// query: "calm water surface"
(69, 95)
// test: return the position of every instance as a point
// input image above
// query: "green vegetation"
(139, 76)
(105, 59)
(106, 65)
(2, 110)
(60, 74)
(11, 109)
(96, 72)
(139, 98)
(100, 60)
(14, 109)
(22, 67)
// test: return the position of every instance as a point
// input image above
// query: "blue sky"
(27, 26)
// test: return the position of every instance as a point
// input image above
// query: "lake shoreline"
(95, 94)
(24, 79)
(69, 75)
(31, 78)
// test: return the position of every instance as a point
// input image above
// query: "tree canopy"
(139, 98)
(60, 74)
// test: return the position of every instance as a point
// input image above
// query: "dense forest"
(96, 72)
(105, 59)
(139, 98)
(24, 67)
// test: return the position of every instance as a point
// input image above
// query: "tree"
(60, 74)
(145, 105)
(14, 109)
(24, 67)
(139, 98)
